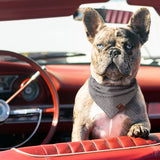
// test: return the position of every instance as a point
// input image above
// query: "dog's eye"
(99, 46)
(128, 46)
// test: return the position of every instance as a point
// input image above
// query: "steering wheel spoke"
(24, 112)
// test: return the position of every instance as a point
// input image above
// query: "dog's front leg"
(139, 130)
(82, 123)
(80, 131)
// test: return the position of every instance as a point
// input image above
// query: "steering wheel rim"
(52, 89)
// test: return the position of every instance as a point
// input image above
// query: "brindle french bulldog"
(111, 103)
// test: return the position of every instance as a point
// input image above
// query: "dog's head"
(115, 56)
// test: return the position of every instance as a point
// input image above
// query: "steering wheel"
(4, 106)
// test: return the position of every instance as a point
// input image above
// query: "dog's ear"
(93, 22)
(140, 24)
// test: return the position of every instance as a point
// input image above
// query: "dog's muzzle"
(120, 60)
(114, 52)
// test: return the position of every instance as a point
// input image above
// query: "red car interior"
(67, 80)
(124, 147)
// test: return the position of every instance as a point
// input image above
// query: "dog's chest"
(104, 127)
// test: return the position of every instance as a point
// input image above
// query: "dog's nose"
(114, 52)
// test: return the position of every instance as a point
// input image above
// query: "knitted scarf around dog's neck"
(109, 97)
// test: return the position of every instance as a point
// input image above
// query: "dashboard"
(9, 82)
(6, 82)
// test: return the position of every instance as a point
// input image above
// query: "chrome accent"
(4, 110)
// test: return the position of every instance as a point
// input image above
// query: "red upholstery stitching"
(56, 148)
(101, 144)
(63, 148)
(113, 143)
(70, 147)
(82, 146)
(133, 141)
(139, 141)
(115, 16)
(45, 151)
(76, 147)
(127, 141)
(50, 149)
(93, 145)
(108, 145)
(120, 142)
(88, 145)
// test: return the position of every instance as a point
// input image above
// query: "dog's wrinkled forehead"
(122, 32)
(105, 35)
(116, 35)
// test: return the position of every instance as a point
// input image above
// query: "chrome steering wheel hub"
(4, 110)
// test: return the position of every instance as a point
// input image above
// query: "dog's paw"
(138, 130)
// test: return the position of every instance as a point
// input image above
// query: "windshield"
(63, 39)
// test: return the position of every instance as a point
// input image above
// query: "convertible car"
(45, 59)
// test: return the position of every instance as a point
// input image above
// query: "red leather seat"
(111, 148)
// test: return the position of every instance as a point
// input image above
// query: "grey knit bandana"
(111, 98)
